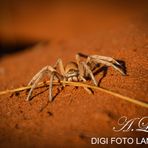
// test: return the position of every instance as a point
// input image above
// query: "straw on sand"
(41, 84)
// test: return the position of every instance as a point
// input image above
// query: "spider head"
(71, 71)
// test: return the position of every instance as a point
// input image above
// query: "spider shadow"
(42, 108)
(47, 88)
(104, 69)
(33, 96)
(123, 66)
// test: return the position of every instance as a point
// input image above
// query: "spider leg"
(34, 85)
(104, 60)
(107, 61)
(90, 73)
(81, 66)
(50, 86)
(82, 55)
(87, 89)
(37, 78)
(43, 70)
(59, 77)
(61, 66)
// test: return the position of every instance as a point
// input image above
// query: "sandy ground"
(74, 116)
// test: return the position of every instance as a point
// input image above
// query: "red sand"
(74, 116)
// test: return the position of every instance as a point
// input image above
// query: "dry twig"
(41, 84)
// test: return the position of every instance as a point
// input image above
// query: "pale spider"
(74, 71)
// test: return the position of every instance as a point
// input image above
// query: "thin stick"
(41, 84)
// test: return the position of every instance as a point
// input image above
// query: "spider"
(80, 70)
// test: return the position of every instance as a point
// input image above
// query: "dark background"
(24, 23)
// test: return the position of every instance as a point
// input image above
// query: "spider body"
(80, 70)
